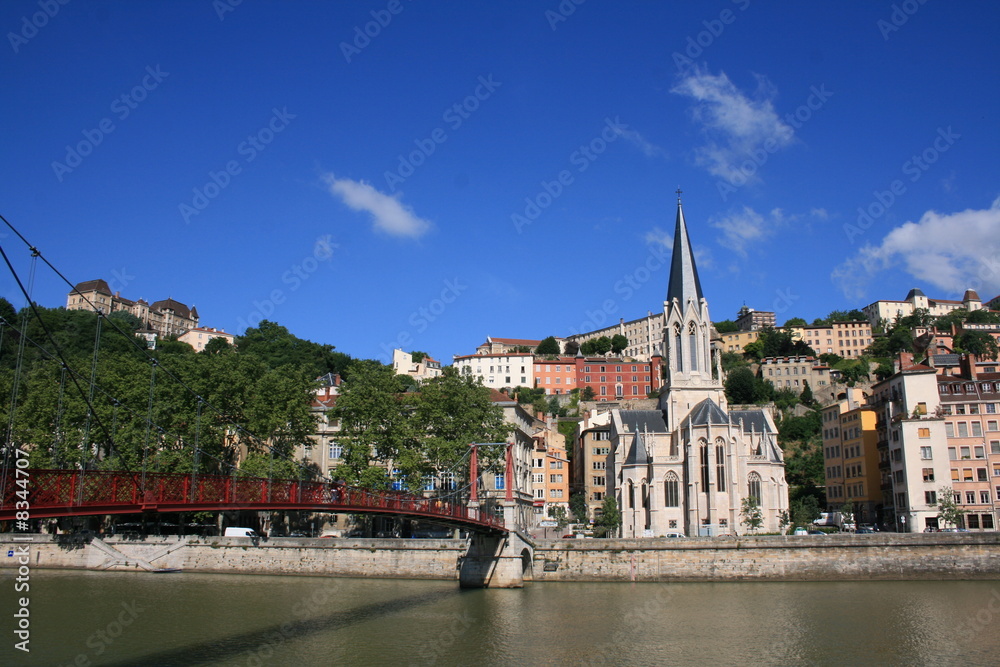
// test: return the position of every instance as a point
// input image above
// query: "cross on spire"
(679, 191)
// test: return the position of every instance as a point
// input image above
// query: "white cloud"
(744, 227)
(389, 215)
(735, 125)
(952, 252)
(648, 148)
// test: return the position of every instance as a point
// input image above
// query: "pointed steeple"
(684, 283)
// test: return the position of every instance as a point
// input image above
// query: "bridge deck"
(57, 493)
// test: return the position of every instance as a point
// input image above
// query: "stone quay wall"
(886, 556)
(767, 558)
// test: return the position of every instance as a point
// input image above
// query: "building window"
(930, 497)
(555, 479)
(336, 451)
(753, 488)
(923, 432)
(600, 481)
(720, 467)
(499, 482)
(704, 468)
(671, 497)
(925, 453)
(928, 474)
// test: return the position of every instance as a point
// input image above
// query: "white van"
(241, 532)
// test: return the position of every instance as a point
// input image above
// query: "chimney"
(968, 366)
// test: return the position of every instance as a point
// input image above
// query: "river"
(102, 618)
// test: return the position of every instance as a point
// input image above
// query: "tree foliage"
(751, 515)
(725, 326)
(548, 346)
(610, 519)
(225, 399)
(948, 509)
(618, 343)
(597, 346)
(978, 343)
(416, 434)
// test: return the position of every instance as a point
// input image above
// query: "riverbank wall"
(767, 558)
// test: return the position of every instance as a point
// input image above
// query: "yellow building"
(851, 457)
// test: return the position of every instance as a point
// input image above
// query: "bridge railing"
(117, 489)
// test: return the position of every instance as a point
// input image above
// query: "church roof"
(640, 421)
(684, 283)
(707, 412)
(752, 419)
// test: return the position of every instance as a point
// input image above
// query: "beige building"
(508, 345)
(845, 339)
(737, 340)
(645, 336)
(550, 470)
(883, 313)
(748, 319)
(167, 317)
(590, 459)
(403, 364)
(793, 372)
(199, 336)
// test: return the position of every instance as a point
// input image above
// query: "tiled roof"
(752, 419)
(515, 341)
(643, 420)
(93, 286)
(179, 308)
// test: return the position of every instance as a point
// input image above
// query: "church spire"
(684, 283)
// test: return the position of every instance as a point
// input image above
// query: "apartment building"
(645, 336)
(616, 379)
(507, 345)
(851, 457)
(556, 376)
(970, 405)
(737, 340)
(498, 370)
(845, 339)
(748, 319)
(550, 471)
(590, 454)
(913, 447)
(794, 372)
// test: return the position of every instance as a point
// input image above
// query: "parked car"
(816, 532)
(800, 531)
(865, 529)
(675, 534)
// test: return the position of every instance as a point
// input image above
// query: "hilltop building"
(403, 364)
(689, 465)
(167, 317)
(748, 319)
(882, 314)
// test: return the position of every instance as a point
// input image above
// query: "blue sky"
(507, 169)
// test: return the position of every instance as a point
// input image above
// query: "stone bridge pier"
(494, 561)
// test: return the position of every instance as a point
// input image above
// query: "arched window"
(704, 467)
(671, 495)
(720, 465)
(693, 343)
(753, 488)
(645, 497)
(631, 495)
(678, 356)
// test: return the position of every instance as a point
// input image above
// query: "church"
(687, 466)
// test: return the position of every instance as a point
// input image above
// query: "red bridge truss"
(57, 493)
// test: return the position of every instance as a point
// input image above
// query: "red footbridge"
(40, 494)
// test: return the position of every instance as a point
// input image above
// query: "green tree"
(807, 395)
(795, 322)
(805, 510)
(578, 506)
(725, 326)
(548, 346)
(618, 343)
(417, 356)
(978, 343)
(948, 509)
(587, 394)
(375, 423)
(610, 519)
(751, 515)
(784, 520)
